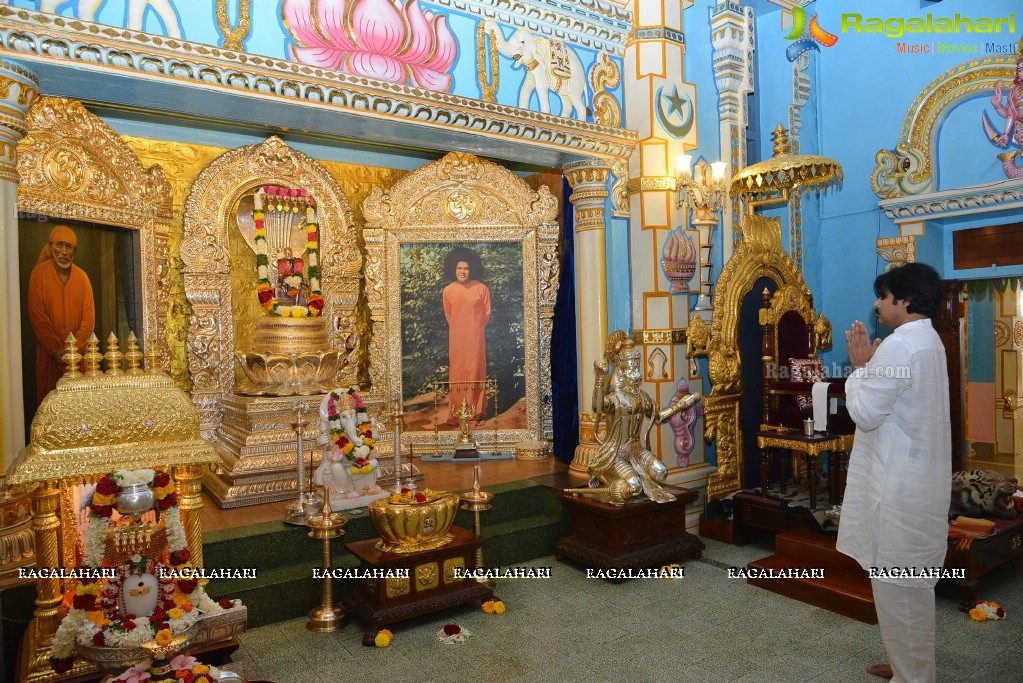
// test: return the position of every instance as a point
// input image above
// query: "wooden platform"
(845, 587)
(636, 535)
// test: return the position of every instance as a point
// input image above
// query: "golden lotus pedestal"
(290, 363)
(289, 357)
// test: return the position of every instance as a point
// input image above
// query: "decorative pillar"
(733, 41)
(801, 89)
(46, 527)
(589, 190)
(188, 479)
(18, 88)
(661, 105)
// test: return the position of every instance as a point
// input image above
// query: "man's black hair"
(917, 283)
(476, 270)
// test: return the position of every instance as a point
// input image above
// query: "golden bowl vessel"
(409, 527)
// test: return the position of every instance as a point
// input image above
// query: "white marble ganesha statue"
(349, 467)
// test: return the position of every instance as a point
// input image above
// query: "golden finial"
(152, 359)
(92, 357)
(781, 141)
(133, 355)
(113, 356)
(71, 356)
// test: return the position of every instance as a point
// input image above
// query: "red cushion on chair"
(808, 370)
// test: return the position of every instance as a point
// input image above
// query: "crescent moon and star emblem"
(680, 108)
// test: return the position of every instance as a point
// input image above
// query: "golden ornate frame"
(207, 262)
(73, 166)
(758, 254)
(461, 198)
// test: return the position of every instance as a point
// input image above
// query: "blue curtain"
(564, 385)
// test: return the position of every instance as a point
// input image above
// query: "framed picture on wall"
(461, 279)
(463, 310)
(75, 277)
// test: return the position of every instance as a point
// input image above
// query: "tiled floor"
(704, 628)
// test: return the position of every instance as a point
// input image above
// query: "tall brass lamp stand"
(477, 501)
(326, 526)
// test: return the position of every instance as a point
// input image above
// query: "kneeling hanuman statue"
(624, 466)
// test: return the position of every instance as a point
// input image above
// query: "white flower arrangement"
(95, 609)
(175, 529)
(95, 541)
(134, 477)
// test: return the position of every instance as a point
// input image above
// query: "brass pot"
(412, 527)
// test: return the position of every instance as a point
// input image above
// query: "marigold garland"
(263, 287)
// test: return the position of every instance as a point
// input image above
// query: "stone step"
(275, 544)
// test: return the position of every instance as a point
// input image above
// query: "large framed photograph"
(100, 292)
(462, 334)
(462, 302)
(94, 225)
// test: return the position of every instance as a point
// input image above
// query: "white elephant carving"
(86, 11)
(550, 65)
(350, 490)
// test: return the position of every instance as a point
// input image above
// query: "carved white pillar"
(732, 38)
(18, 88)
(589, 190)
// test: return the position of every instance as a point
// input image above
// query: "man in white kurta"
(895, 511)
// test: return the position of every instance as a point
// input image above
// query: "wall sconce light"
(703, 188)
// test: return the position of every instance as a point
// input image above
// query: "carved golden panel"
(73, 166)
(396, 586)
(427, 577)
(450, 566)
(206, 254)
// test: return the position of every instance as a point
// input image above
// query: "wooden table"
(430, 586)
(982, 555)
(636, 535)
(791, 440)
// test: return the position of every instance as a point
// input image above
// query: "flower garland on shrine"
(94, 616)
(343, 446)
(263, 286)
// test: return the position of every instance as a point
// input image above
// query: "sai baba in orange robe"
(467, 309)
(56, 310)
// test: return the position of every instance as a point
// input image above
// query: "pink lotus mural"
(390, 40)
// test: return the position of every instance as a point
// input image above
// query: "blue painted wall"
(981, 316)
(865, 88)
